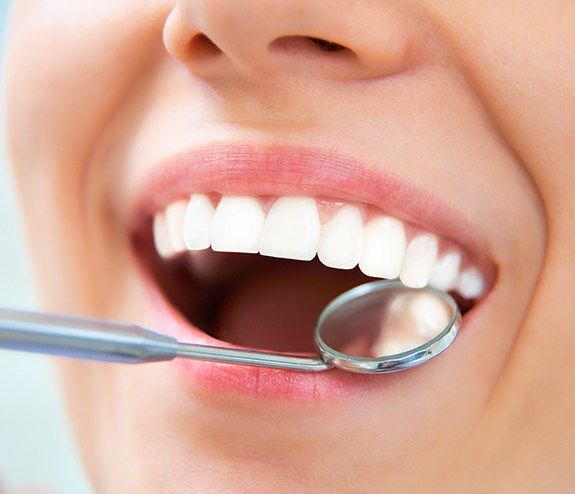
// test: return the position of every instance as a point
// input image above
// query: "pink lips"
(282, 170)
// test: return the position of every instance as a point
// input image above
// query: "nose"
(337, 39)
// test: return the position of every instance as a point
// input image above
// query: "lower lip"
(263, 383)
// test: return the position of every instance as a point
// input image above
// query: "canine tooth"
(419, 259)
(341, 239)
(197, 222)
(383, 247)
(291, 229)
(445, 273)
(470, 284)
(237, 225)
(175, 224)
(161, 236)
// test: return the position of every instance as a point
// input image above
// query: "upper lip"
(277, 170)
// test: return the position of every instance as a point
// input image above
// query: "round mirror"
(385, 326)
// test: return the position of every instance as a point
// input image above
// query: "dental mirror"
(381, 326)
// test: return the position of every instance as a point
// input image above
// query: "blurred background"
(36, 449)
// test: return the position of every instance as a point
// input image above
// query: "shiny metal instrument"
(378, 327)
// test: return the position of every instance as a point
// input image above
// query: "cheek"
(68, 65)
(521, 58)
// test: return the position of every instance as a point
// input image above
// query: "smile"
(243, 247)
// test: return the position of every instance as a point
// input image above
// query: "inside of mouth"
(255, 301)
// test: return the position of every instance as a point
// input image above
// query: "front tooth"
(341, 239)
(198, 222)
(161, 236)
(383, 247)
(291, 229)
(419, 259)
(175, 224)
(470, 284)
(445, 273)
(237, 225)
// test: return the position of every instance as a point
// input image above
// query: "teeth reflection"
(409, 321)
(428, 315)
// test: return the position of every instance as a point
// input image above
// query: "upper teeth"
(420, 256)
(292, 229)
(237, 225)
(341, 239)
(197, 223)
(384, 245)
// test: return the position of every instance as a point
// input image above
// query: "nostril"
(326, 45)
(310, 45)
(201, 46)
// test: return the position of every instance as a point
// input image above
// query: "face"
(159, 145)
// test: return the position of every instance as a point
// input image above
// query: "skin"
(472, 101)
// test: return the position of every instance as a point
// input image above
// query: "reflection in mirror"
(385, 322)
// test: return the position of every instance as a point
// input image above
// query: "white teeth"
(471, 283)
(383, 247)
(197, 222)
(341, 239)
(175, 224)
(445, 273)
(161, 236)
(419, 258)
(291, 229)
(237, 225)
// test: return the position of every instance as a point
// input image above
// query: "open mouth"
(251, 268)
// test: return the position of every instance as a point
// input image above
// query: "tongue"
(276, 308)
